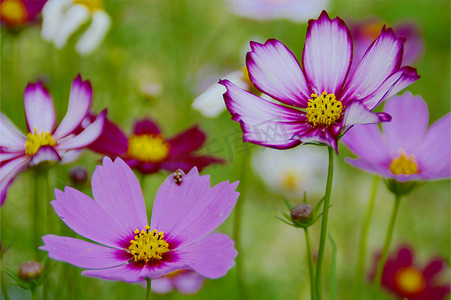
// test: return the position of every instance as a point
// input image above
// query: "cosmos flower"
(127, 249)
(20, 12)
(316, 103)
(184, 281)
(44, 142)
(292, 172)
(405, 279)
(62, 18)
(293, 10)
(406, 149)
(148, 151)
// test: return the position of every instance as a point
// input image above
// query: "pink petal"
(39, 109)
(8, 171)
(89, 219)
(274, 70)
(371, 167)
(10, 137)
(146, 126)
(79, 104)
(186, 142)
(112, 141)
(327, 54)
(162, 285)
(81, 253)
(357, 113)
(433, 268)
(263, 122)
(86, 137)
(187, 163)
(45, 153)
(211, 257)
(5, 156)
(116, 189)
(381, 60)
(188, 282)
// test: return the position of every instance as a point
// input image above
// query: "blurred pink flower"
(185, 281)
(20, 12)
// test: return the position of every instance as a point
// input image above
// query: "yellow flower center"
(37, 140)
(13, 12)
(323, 110)
(148, 147)
(410, 281)
(148, 245)
(290, 180)
(404, 164)
(92, 5)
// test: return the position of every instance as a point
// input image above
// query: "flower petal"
(186, 142)
(94, 35)
(146, 126)
(357, 113)
(81, 253)
(319, 135)
(371, 167)
(72, 20)
(86, 137)
(10, 137)
(263, 122)
(52, 13)
(433, 268)
(327, 54)
(116, 189)
(112, 141)
(211, 257)
(187, 163)
(188, 282)
(162, 285)
(8, 172)
(79, 104)
(45, 153)
(274, 70)
(39, 109)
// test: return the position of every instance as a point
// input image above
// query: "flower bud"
(302, 213)
(78, 175)
(30, 270)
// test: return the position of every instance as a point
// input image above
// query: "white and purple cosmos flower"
(179, 236)
(317, 102)
(44, 142)
(406, 150)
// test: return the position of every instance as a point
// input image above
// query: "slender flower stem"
(388, 238)
(149, 289)
(4, 287)
(33, 294)
(311, 268)
(363, 246)
(322, 242)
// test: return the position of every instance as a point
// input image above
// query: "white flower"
(62, 18)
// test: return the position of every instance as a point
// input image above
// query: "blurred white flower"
(62, 18)
(293, 171)
(293, 10)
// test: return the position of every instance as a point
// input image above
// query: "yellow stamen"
(92, 5)
(404, 164)
(13, 12)
(323, 110)
(37, 140)
(148, 245)
(290, 180)
(148, 147)
(410, 281)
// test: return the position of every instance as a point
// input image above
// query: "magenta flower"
(20, 12)
(407, 149)
(184, 281)
(148, 151)
(185, 212)
(405, 279)
(317, 102)
(44, 142)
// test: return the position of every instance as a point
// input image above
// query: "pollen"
(36, 140)
(148, 245)
(323, 110)
(92, 5)
(404, 164)
(148, 148)
(410, 281)
(13, 12)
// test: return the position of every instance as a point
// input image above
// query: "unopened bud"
(78, 175)
(30, 270)
(302, 213)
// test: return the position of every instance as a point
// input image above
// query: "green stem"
(4, 287)
(149, 289)
(388, 238)
(310, 264)
(33, 294)
(363, 246)
(322, 242)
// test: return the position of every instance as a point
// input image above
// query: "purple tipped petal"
(319, 135)
(45, 153)
(186, 142)
(116, 189)
(10, 137)
(327, 54)
(379, 62)
(39, 109)
(357, 113)
(8, 171)
(274, 70)
(86, 137)
(146, 126)
(81, 253)
(79, 104)
(263, 122)
(87, 217)
(211, 257)
(112, 141)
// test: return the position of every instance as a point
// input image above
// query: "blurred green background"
(185, 45)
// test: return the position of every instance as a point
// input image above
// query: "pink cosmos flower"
(44, 142)
(20, 12)
(148, 151)
(185, 281)
(406, 149)
(317, 102)
(405, 279)
(126, 248)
